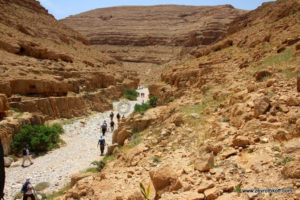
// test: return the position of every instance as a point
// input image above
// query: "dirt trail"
(57, 166)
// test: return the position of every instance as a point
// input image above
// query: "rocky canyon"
(226, 124)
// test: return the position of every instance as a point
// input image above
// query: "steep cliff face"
(48, 69)
(147, 37)
(169, 25)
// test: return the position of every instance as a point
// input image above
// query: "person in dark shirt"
(101, 142)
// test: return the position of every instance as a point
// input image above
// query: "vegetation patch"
(42, 186)
(171, 99)
(153, 101)
(99, 165)
(59, 193)
(39, 139)
(156, 160)
(141, 108)
(130, 94)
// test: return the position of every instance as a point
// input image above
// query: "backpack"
(104, 126)
(101, 141)
(25, 187)
(24, 152)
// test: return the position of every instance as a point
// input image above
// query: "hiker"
(123, 116)
(101, 142)
(112, 125)
(28, 190)
(142, 95)
(26, 156)
(118, 117)
(111, 115)
(104, 128)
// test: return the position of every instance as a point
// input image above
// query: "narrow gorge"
(220, 118)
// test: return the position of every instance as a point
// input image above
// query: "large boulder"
(8, 161)
(111, 148)
(240, 141)
(164, 180)
(292, 170)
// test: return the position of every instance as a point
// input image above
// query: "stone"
(292, 169)
(204, 162)
(228, 152)
(77, 177)
(240, 141)
(195, 115)
(293, 101)
(215, 148)
(212, 193)
(281, 135)
(260, 75)
(8, 161)
(261, 106)
(111, 148)
(205, 185)
(164, 179)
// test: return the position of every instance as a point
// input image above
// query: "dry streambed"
(57, 166)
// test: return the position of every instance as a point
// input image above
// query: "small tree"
(38, 138)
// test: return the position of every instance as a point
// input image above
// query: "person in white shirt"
(28, 190)
(26, 156)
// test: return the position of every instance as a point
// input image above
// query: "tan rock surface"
(131, 33)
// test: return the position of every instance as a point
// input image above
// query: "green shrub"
(141, 108)
(99, 165)
(130, 94)
(38, 138)
(171, 99)
(153, 101)
(156, 160)
(238, 189)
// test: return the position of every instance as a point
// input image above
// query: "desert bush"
(171, 99)
(141, 108)
(153, 101)
(99, 165)
(130, 94)
(38, 138)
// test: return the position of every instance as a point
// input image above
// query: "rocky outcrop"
(128, 25)
(3, 103)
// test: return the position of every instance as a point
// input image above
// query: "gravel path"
(57, 166)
